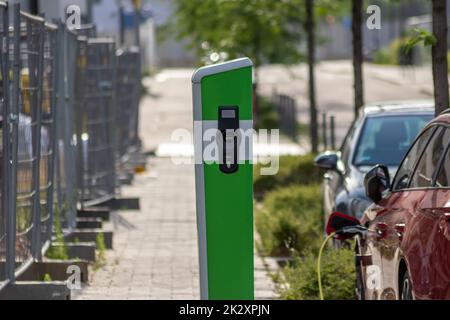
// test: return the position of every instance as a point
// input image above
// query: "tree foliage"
(267, 31)
(423, 36)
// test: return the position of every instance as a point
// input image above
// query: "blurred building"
(105, 14)
(51, 8)
(171, 52)
(158, 53)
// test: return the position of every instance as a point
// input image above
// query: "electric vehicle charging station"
(223, 96)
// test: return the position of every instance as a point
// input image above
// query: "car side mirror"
(327, 161)
(377, 181)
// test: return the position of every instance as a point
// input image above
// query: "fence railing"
(328, 132)
(286, 108)
(26, 171)
(64, 133)
(4, 154)
(65, 155)
(127, 101)
(98, 121)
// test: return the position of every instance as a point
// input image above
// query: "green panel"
(229, 198)
(229, 221)
(228, 89)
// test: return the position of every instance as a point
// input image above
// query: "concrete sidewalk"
(155, 254)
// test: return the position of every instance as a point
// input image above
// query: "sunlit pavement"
(155, 254)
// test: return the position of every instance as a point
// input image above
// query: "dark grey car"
(382, 134)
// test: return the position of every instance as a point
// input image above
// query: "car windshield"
(385, 140)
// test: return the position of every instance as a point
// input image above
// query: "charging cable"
(349, 232)
(319, 262)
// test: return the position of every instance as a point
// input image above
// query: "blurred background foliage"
(266, 31)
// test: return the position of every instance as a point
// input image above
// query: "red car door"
(401, 208)
(435, 209)
(417, 230)
(387, 223)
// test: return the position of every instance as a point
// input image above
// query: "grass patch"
(100, 261)
(47, 278)
(59, 252)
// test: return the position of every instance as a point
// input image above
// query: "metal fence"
(65, 157)
(286, 108)
(127, 101)
(48, 132)
(328, 132)
(4, 101)
(58, 119)
(27, 173)
(96, 136)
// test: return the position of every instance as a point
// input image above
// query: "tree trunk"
(439, 52)
(357, 22)
(121, 24)
(310, 29)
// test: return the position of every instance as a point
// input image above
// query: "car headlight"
(359, 206)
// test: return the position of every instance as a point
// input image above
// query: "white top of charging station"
(220, 68)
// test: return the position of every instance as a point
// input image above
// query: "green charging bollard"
(223, 127)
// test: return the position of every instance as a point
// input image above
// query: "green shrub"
(301, 199)
(338, 277)
(290, 221)
(392, 54)
(382, 56)
(298, 170)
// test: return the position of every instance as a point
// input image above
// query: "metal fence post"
(14, 117)
(36, 86)
(294, 122)
(80, 106)
(70, 63)
(65, 153)
(324, 131)
(49, 121)
(6, 229)
(137, 141)
(4, 101)
(333, 132)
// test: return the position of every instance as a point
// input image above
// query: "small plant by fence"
(65, 132)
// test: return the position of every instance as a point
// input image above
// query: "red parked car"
(403, 240)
